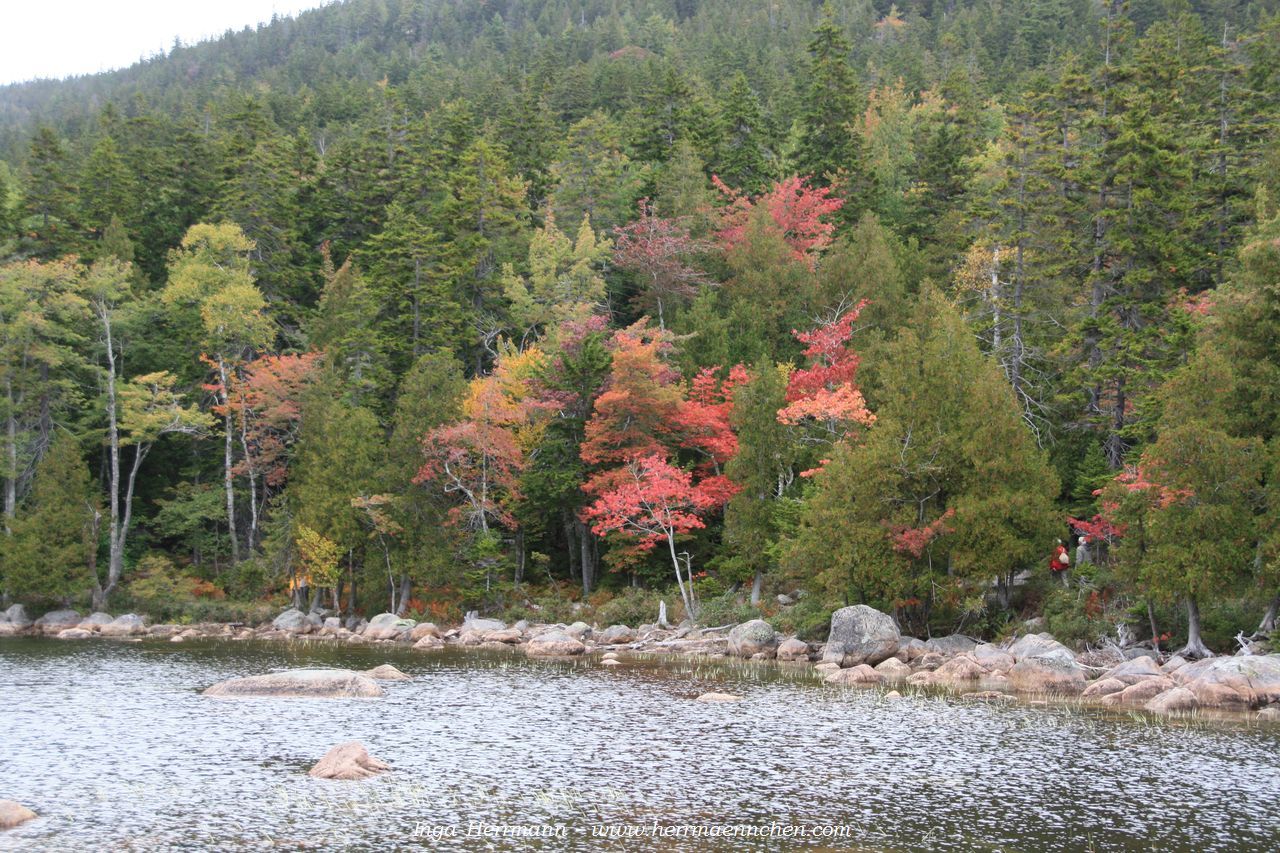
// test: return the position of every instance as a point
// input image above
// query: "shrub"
(808, 619)
(726, 609)
(634, 606)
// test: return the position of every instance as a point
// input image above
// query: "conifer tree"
(52, 554)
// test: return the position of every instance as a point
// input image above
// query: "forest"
(754, 308)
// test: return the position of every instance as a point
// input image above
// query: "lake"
(113, 746)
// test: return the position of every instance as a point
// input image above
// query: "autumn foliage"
(799, 211)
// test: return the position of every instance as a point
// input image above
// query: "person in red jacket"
(1060, 562)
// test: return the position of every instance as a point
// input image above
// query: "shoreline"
(1035, 668)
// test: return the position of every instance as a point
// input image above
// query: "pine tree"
(743, 156)
(52, 554)
(764, 469)
(831, 104)
(49, 198)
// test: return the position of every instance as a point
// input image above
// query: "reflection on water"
(115, 748)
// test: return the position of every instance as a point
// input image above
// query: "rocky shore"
(863, 650)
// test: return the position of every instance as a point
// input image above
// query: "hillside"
(421, 304)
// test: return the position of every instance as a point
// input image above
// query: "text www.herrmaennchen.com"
(477, 829)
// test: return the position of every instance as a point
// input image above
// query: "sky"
(60, 38)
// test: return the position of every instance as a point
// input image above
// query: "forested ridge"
(443, 306)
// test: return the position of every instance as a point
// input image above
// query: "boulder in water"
(348, 761)
(507, 636)
(617, 634)
(75, 634)
(1247, 681)
(718, 697)
(579, 630)
(793, 649)
(424, 629)
(753, 638)
(300, 683)
(94, 621)
(893, 668)
(57, 621)
(292, 620)
(1048, 673)
(482, 626)
(387, 626)
(126, 625)
(1172, 701)
(12, 814)
(553, 643)
(861, 634)
(386, 672)
(860, 675)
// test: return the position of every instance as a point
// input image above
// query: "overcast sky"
(59, 38)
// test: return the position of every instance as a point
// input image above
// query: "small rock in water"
(386, 672)
(348, 761)
(609, 656)
(892, 695)
(611, 662)
(13, 814)
(718, 697)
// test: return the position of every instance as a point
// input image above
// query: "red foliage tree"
(637, 412)
(479, 458)
(264, 402)
(657, 250)
(826, 392)
(797, 210)
(652, 502)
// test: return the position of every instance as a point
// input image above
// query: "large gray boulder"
(387, 626)
(292, 620)
(17, 615)
(348, 761)
(793, 649)
(1135, 670)
(1051, 672)
(125, 625)
(753, 638)
(300, 683)
(1248, 681)
(1032, 645)
(482, 626)
(95, 621)
(56, 621)
(579, 630)
(860, 634)
(952, 644)
(554, 643)
(617, 634)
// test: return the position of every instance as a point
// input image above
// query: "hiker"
(1083, 557)
(1059, 562)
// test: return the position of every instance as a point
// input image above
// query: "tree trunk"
(585, 538)
(1155, 631)
(689, 609)
(1195, 647)
(228, 480)
(406, 586)
(11, 461)
(1268, 623)
(756, 586)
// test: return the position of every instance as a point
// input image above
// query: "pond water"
(113, 746)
